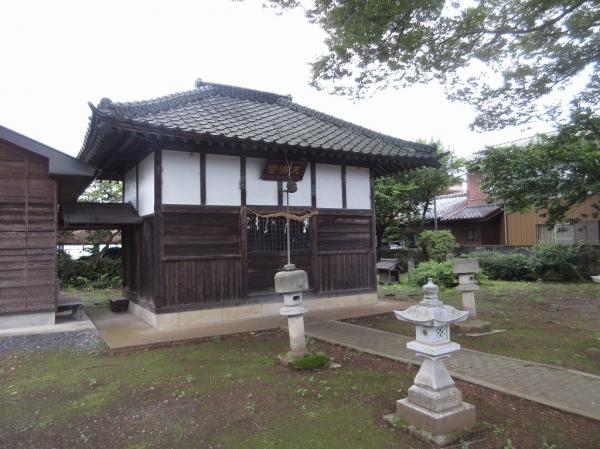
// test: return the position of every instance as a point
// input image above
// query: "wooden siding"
(201, 282)
(345, 256)
(201, 257)
(521, 227)
(27, 232)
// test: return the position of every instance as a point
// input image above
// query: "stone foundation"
(221, 314)
(441, 428)
(19, 320)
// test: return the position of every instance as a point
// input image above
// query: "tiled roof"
(217, 110)
(474, 212)
(453, 207)
(447, 205)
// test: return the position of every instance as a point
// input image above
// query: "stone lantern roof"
(431, 311)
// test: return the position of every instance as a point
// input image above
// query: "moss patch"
(312, 360)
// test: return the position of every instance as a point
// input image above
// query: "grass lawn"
(230, 393)
(550, 323)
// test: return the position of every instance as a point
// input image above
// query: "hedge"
(548, 262)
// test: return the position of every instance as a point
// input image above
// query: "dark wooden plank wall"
(146, 266)
(201, 256)
(345, 251)
(27, 232)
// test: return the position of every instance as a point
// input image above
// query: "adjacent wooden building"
(475, 222)
(205, 170)
(33, 179)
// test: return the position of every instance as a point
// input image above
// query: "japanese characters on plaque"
(283, 171)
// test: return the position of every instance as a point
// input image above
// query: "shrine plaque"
(279, 170)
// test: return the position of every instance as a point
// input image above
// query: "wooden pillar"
(314, 237)
(344, 203)
(158, 231)
(243, 234)
(373, 228)
(203, 178)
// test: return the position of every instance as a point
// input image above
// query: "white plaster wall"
(180, 177)
(259, 191)
(303, 196)
(146, 185)
(129, 188)
(223, 180)
(329, 185)
(358, 188)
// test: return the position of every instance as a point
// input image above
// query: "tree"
(533, 47)
(100, 191)
(406, 197)
(551, 174)
(393, 199)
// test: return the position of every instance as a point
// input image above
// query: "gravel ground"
(79, 340)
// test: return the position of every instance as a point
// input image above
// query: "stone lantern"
(434, 407)
(467, 268)
(291, 283)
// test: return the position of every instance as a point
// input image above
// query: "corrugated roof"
(218, 110)
(453, 207)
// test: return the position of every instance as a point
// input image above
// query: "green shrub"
(312, 360)
(506, 266)
(82, 274)
(437, 245)
(555, 262)
(440, 272)
(548, 262)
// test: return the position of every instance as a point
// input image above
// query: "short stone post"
(434, 409)
(467, 268)
(410, 268)
(291, 283)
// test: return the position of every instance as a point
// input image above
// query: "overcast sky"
(58, 55)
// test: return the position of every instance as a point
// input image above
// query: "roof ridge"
(451, 195)
(202, 90)
(354, 127)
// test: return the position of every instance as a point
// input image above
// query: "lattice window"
(268, 235)
(440, 333)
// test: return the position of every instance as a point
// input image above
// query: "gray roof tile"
(234, 112)
(454, 207)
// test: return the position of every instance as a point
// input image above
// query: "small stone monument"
(434, 408)
(466, 268)
(292, 283)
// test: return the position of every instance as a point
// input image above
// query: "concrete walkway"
(123, 330)
(563, 389)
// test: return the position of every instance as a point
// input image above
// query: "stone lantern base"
(440, 428)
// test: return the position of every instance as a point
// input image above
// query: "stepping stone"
(472, 327)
